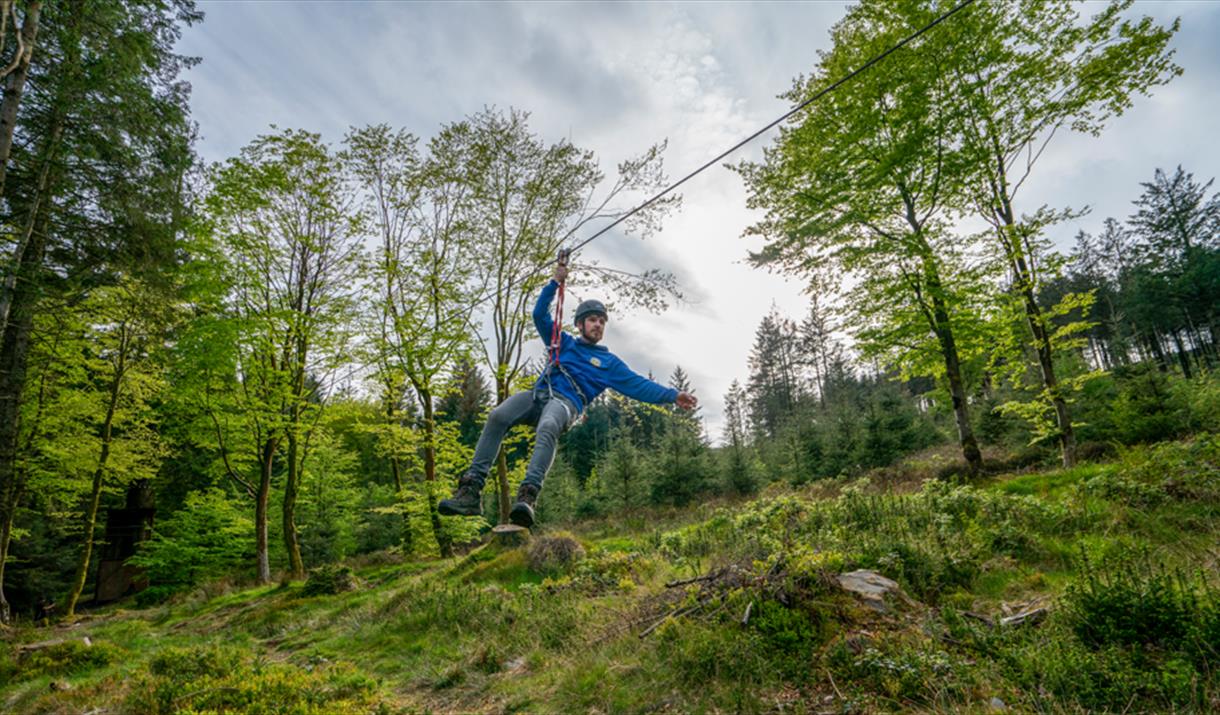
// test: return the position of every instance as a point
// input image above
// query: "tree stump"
(511, 535)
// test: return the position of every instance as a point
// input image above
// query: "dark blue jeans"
(550, 416)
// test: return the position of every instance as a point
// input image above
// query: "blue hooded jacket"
(592, 367)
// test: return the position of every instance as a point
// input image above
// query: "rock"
(871, 587)
(996, 704)
(60, 685)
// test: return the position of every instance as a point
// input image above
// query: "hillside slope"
(1112, 567)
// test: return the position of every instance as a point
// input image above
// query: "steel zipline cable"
(816, 96)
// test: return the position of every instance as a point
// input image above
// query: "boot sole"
(521, 515)
(447, 509)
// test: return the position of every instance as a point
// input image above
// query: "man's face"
(592, 328)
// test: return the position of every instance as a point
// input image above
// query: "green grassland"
(728, 608)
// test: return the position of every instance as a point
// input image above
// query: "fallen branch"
(686, 581)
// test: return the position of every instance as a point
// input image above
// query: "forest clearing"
(907, 402)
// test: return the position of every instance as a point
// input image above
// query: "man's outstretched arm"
(638, 387)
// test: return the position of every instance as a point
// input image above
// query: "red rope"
(557, 329)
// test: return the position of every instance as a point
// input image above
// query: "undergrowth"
(1110, 570)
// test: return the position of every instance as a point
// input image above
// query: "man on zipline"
(582, 371)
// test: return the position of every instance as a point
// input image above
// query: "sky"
(616, 78)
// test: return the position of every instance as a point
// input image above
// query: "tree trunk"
(1042, 344)
(408, 538)
(1024, 282)
(15, 341)
(6, 537)
(957, 392)
(502, 464)
(1183, 356)
(442, 540)
(260, 511)
(14, 87)
(292, 482)
(82, 569)
(1158, 352)
(953, 376)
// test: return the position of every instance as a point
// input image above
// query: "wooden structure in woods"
(126, 528)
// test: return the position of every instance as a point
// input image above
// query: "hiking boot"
(465, 500)
(523, 511)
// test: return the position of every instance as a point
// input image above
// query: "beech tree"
(530, 196)
(282, 214)
(1024, 71)
(94, 183)
(860, 186)
(425, 273)
(122, 339)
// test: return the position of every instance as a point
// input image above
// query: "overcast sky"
(615, 78)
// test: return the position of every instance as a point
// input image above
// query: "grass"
(484, 633)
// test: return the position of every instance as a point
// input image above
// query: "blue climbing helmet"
(587, 308)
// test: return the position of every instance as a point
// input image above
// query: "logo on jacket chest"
(595, 361)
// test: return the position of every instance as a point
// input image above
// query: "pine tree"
(691, 419)
(774, 381)
(465, 400)
(739, 472)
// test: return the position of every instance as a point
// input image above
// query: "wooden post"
(511, 535)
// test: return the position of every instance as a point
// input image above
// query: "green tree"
(282, 214)
(1022, 71)
(774, 384)
(1180, 231)
(94, 183)
(531, 195)
(739, 467)
(861, 184)
(465, 400)
(123, 339)
(16, 72)
(208, 537)
(623, 473)
(425, 271)
(329, 500)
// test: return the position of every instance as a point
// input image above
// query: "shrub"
(1147, 409)
(222, 679)
(606, 570)
(209, 537)
(60, 659)
(193, 662)
(1137, 604)
(915, 674)
(1061, 673)
(554, 554)
(329, 579)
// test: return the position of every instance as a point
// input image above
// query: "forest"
(257, 371)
